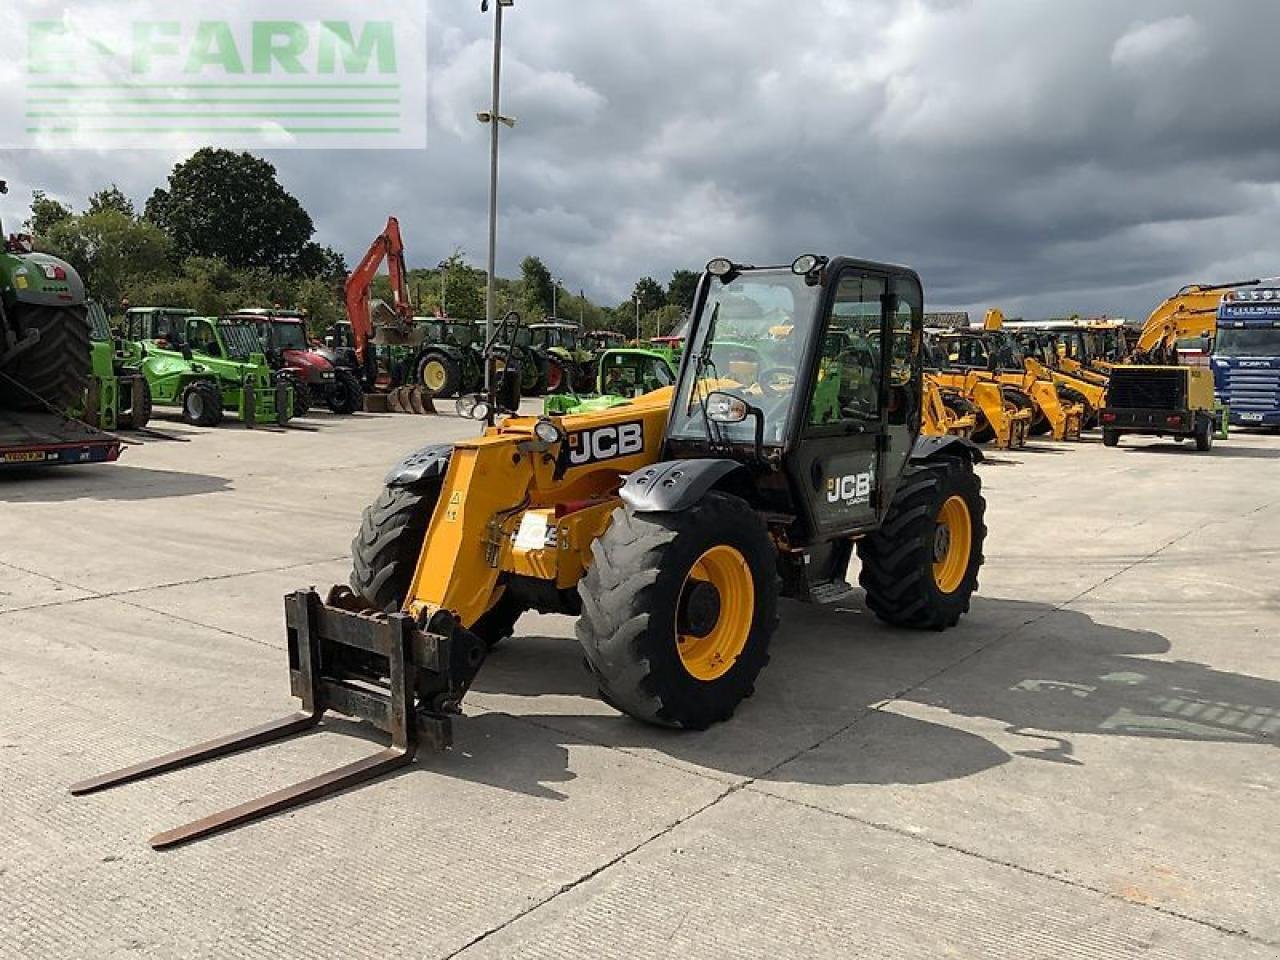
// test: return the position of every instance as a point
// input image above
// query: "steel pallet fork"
(382, 669)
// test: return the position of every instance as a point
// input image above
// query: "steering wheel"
(765, 380)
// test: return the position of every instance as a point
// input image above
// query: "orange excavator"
(394, 326)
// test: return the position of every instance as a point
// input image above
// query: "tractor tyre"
(384, 555)
(1204, 435)
(138, 419)
(678, 610)
(202, 404)
(55, 369)
(920, 568)
(533, 377)
(301, 397)
(345, 397)
(440, 375)
(1110, 438)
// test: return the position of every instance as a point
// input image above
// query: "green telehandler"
(207, 366)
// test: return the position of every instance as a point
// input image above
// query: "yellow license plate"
(24, 456)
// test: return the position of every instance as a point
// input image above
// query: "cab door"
(864, 405)
(836, 467)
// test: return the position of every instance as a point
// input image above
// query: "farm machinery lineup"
(205, 366)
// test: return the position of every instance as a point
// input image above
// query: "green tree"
(465, 288)
(538, 292)
(231, 206)
(111, 199)
(650, 294)
(682, 288)
(322, 263)
(46, 213)
(110, 250)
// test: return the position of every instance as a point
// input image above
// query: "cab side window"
(201, 337)
(847, 389)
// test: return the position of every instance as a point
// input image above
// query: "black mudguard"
(937, 448)
(674, 485)
(425, 464)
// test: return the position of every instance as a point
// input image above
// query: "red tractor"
(283, 334)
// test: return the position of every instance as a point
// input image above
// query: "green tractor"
(516, 349)
(448, 362)
(207, 366)
(117, 397)
(565, 360)
(44, 331)
(622, 374)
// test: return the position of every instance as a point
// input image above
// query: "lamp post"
(637, 303)
(493, 117)
(443, 267)
(555, 289)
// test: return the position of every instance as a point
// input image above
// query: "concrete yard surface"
(1085, 767)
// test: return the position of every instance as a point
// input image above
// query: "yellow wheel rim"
(952, 543)
(434, 375)
(714, 613)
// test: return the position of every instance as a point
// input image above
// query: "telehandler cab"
(670, 525)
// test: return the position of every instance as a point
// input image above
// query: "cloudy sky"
(1047, 157)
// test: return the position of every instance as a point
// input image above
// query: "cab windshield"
(288, 336)
(749, 343)
(1248, 342)
(556, 337)
(459, 334)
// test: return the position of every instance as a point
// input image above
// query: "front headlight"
(546, 431)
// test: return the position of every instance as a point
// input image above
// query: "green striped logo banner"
(276, 74)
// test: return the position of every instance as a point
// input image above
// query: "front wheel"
(1204, 435)
(440, 374)
(345, 397)
(202, 404)
(678, 610)
(920, 569)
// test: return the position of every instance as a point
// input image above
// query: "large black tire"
(637, 590)
(55, 368)
(301, 394)
(345, 397)
(384, 554)
(1110, 438)
(533, 376)
(1204, 434)
(900, 560)
(139, 418)
(202, 404)
(442, 370)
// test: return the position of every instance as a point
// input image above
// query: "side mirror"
(726, 408)
(186, 352)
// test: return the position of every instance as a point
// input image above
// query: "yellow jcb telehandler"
(669, 525)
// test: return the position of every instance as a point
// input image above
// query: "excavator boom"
(1191, 312)
(388, 246)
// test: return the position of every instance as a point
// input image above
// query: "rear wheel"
(345, 397)
(384, 555)
(202, 404)
(1110, 438)
(1204, 435)
(920, 569)
(440, 375)
(56, 367)
(678, 610)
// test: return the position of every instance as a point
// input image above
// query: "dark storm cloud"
(1044, 156)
